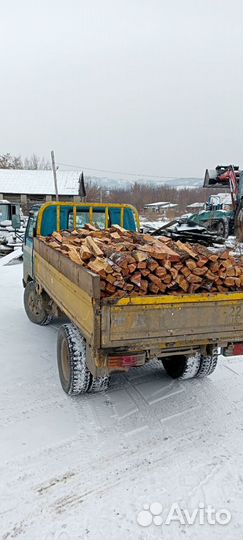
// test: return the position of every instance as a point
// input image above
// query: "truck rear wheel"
(34, 305)
(181, 366)
(208, 363)
(187, 367)
(74, 374)
(71, 359)
(99, 384)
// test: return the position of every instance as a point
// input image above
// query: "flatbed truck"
(103, 336)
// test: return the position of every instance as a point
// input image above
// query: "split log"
(140, 256)
(85, 253)
(152, 264)
(91, 244)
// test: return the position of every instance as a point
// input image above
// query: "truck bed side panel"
(86, 280)
(69, 297)
(183, 321)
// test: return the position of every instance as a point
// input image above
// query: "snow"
(39, 182)
(224, 198)
(170, 205)
(147, 225)
(160, 203)
(84, 467)
(160, 206)
(16, 254)
(196, 205)
(7, 223)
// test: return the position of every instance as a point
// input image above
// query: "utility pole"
(81, 187)
(54, 170)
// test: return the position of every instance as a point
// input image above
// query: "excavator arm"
(239, 222)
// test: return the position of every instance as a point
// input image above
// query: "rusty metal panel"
(124, 325)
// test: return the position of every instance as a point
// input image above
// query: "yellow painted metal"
(106, 217)
(59, 205)
(58, 218)
(190, 342)
(183, 299)
(74, 217)
(122, 217)
(91, 215)
(219, 319)
(70, 298)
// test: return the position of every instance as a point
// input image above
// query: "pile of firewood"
(139, 264)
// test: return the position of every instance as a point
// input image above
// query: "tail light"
(234, 349)
(126, 361)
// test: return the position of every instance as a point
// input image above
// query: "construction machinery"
(12, 227)
(9, 212)
(222, 216)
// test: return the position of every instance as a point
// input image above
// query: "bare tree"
(34, 162)
(7, 161)
(141, 194)
(44, 164)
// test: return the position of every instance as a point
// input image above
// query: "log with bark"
(134, 264)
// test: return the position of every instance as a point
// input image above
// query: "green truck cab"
(50, 217)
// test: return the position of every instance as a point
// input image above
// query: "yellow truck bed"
(159, 324)
(166, 319)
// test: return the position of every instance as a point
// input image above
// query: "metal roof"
(156, 203)
(19, 181)
(170, 205)
(162, 204)
(196, 205)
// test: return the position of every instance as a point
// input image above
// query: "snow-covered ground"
(83, 468)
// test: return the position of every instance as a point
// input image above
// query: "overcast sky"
(146, 86)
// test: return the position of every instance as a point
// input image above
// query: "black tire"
(181, 366)
(208, 364)
(34, 305)
(71, 359)
(222, 228)
(99, 384)
(74, 374)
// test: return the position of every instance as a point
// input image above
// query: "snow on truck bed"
(84, 467)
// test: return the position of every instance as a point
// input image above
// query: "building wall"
(27, 201)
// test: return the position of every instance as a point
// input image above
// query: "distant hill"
(120, 183)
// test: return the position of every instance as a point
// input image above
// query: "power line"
(141, 175)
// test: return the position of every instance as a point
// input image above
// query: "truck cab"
(55, 216)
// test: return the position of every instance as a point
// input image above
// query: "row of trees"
(34, 162)
(141, 194)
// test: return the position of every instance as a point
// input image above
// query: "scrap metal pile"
(134, 264)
